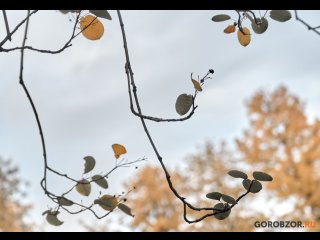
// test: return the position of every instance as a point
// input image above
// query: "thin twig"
(43, 181)
(130, 83)
(21, 81)
(315, 29)
(16, 28)
(65, 46)
(7, 24)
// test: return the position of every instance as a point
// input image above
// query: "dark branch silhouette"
(43, 182)
(314, 29)
(135, 99)
(135, 107)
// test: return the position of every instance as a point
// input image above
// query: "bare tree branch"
(16, 28)
(7, 24)
(43, 182)
(135, 99)
(314, 29)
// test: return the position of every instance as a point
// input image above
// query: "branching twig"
(134, 98)
(7, 24)
(47, 168)
(315, 29)
(16, 28)
(64, 47)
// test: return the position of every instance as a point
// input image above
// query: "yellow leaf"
(244, 39)
(107, 202)
(196, 85)
(230, 29)
(118, 150)
(95, 28)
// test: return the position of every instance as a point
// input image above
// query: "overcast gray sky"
(81, 94)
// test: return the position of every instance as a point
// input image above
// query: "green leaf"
(221, 207)
(90, 162)
(183, 103)
(64, 201)
(237, 174)
(262, 176)
(214, 195)
(255, 187)
(260, 28)
(101, 13)
(53, 219)
(280, 15)
(84, 187)
(100, 180)
(220, 18)
(125, 209)
(228, 199)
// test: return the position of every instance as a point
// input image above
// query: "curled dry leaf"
(118, 150)
(91, 27)
(230, 29)
(52, 218)
(196, 85)
(244, 39)
(90, 162)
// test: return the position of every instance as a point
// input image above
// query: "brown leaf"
(244, 39)
(196, 85)
(230, 29)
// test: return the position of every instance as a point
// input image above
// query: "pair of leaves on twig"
(83, 187)
(259, 26)
(109, 203)
(254, 186)
(185, 101)
(90, 162)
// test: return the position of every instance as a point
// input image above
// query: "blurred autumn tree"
(280, 140)
(283, 142)
(157, 209)
(12, 211)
